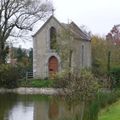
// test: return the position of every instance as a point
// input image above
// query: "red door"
(53, 65)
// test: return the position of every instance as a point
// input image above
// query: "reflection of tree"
(6, 102)
(57, 109)
(53, 109)
(81, 110)
(90, 110)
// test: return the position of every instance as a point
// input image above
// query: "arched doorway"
(53, 65)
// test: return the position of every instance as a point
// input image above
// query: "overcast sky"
(98, 15)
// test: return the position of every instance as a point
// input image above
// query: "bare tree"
(19, 15)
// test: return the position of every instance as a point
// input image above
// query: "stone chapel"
(57, 46)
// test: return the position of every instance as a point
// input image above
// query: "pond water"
(37, 107)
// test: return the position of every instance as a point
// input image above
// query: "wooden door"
(53, 65)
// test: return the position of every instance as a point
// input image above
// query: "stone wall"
(23, 91)
(42, 51)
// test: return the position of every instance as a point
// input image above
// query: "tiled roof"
(76, 31)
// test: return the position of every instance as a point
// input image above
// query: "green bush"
(115, 77)
(8, 76)
(81, 84)
(22, 70)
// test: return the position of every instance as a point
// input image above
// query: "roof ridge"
(74, 28)
(85, 35)
(52, 16)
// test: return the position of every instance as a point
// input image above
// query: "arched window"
(52, 38)
(82, 55)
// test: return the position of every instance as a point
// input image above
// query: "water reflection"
(21, 112)
(16, 107)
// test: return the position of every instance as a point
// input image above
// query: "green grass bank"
(36, 83)
(111, 112)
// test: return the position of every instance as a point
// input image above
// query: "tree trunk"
(2, 56)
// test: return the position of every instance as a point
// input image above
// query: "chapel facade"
(58, 46)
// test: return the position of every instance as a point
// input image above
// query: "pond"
(37, 107)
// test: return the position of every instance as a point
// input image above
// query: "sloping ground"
(110, 113)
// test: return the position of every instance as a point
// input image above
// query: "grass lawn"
(36, 83)
(111, 113)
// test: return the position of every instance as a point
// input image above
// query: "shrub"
(115, 77)
(61, 80)
(8, 76)
(81, 84)
(22, 70)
